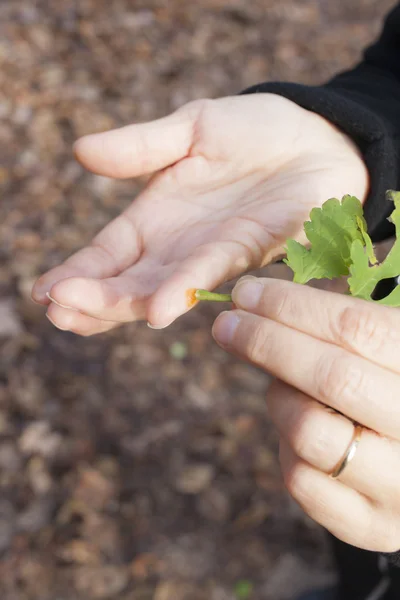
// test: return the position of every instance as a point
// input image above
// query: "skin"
(233, 179)
(345, 358)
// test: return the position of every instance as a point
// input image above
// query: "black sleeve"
(365, 104)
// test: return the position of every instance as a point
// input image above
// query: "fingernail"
(225, 327)
(154, 327)
(59, 304)
(55, 324)
(247, 294)
(157, 327)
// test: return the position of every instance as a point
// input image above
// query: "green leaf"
(339, 245)
(364, 278)
(332, 230)
(362, 225)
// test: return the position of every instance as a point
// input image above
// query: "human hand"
(328, 351)
(236, 177)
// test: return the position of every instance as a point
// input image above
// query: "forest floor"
(138, 465)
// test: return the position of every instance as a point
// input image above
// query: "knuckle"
(359, 328)
(281, 305)
(308, 437)
(338, 379)
(258, 344)
(295, 481)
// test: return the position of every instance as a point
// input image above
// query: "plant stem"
(212, 296)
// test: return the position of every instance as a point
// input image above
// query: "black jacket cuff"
(372, 133)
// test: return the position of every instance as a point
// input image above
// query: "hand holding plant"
(234, 178)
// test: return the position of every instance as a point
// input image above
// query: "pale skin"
(233, 179)
(346, 358)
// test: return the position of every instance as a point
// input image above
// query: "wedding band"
(350, 452)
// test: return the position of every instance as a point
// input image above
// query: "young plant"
(339, 246)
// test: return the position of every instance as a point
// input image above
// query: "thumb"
(140, 149)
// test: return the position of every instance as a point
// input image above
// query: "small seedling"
(339, 245)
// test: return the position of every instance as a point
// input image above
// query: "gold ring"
(350, 452)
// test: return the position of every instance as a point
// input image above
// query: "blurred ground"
(139, 464)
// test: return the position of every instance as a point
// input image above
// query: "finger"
(139, 149)
(115, 248)
(75, 322)
(129, 297)
(352, 385)
(116, 299)
(344, 512)
(122, 299)
(237, 245)
(209, 266)
(150, 291)
(364, 328)
(321, 438)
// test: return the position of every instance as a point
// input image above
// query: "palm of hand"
(237, 176)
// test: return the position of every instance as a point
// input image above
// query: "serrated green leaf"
(364, 278)
(340, 245)
(332, 229)
(362, 225)
(301, 263)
